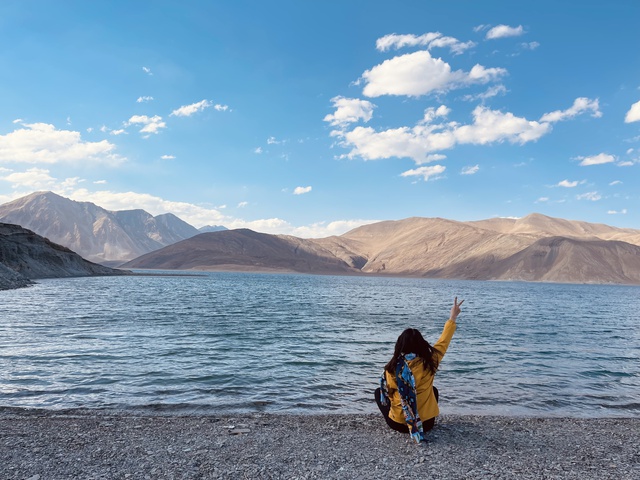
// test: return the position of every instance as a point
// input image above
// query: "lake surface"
(238, 342)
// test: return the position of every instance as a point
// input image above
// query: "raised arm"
(455, 310)
(449, 328)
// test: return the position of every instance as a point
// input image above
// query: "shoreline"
(80, 443)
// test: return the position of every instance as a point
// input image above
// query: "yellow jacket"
(427, 404)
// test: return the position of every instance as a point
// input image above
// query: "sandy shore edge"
(39, 445)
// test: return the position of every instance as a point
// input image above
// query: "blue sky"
(311, 118)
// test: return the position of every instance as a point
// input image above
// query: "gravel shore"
(43, 445)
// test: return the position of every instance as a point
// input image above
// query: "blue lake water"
(237, 342)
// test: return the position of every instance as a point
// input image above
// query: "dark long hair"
(411, 341)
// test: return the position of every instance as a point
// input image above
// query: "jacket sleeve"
(442, 344)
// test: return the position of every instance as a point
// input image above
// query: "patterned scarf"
(408, 399)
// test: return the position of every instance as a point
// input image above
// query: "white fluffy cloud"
(349, 110)
(580, 106)
(33, 178)
(150, 124)
(167, 157)
(568, 184)
(489, 126)
(502, 31)
(599, 159)
(429, 40)
(425, 172)
(633, 115)
(302, 190)
(418, 73)
(470, 170)
(43, 143)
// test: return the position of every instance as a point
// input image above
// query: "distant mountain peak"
(95, 233)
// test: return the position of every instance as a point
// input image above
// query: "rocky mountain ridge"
(97, 234)
(25, 256)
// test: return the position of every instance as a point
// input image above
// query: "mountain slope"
(243, 249)
(95, 233)
(560, 259)
(540, 226)
(24, 255)
(496, 249)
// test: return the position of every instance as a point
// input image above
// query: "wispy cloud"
(242, 204)
(167, 157)
(599, 159)
(433, 172)
(144, 99)
(492, 91)
(615, 182)
(530, 45)
(188, 110)
(429, 40)
(580, 105)
(147, 70)
(470, 170)
(617, 212)
(592, 196)
(502, 31)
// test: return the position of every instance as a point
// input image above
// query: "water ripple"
(231, 342)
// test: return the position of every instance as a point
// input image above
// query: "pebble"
(43, 446)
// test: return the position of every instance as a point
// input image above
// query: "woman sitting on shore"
(406, 397)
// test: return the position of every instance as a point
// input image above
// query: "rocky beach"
(93, 444)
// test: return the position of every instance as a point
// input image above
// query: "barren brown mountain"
(243, 250)
(534, 248)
